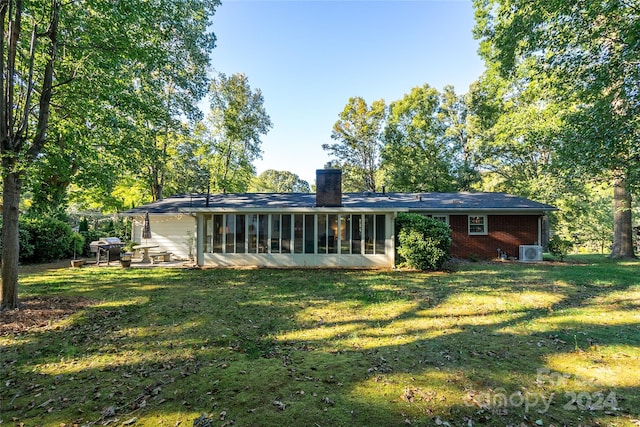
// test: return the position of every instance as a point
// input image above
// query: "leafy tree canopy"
(274, 181)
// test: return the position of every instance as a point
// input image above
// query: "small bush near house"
(423, 243)
(559, 247)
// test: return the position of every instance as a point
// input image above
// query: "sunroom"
(327, 238)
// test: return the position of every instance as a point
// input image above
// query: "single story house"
(332, 229)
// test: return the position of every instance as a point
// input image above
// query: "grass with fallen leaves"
(490, 344)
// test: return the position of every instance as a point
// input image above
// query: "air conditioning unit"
(530, 253)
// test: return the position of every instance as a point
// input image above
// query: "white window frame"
(441, 217)
(485, 224)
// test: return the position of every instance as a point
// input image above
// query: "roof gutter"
(308, 210)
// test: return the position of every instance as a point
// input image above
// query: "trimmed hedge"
(423, 243)
(52, 239)
(47, 239)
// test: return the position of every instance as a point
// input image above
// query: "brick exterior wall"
(506, 232)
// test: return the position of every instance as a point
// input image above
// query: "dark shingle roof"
(376, 201)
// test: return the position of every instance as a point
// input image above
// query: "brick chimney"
(328, 188)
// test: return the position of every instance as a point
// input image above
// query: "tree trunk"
(10, 241)
(622, 221)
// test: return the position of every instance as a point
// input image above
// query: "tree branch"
(47, 84)
(3, 104)
(14, 36)
(24, 124)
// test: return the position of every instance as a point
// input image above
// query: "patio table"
(145, 252)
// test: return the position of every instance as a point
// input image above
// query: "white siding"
(169, 232)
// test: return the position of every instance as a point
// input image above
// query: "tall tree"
(53, 52)
(416, 154)
(187, 169)
(236, 123)
(514, 127)
(589, 51)
(26, 85)
(359, 134)
(274, 181)
(454, 113)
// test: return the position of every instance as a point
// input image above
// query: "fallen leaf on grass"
(328, 401)
(108, 412)
(203, 421)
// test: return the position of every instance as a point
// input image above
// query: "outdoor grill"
(107, 247)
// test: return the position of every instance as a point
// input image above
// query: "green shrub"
(77, 245)
(559, 247)
(26, 248)
(423, 243)
(473, 257)
(84, 225)
(51, 238)
(89, 236)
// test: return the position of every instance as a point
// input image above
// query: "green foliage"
(84, 225)
(358, 133)
(273, 181)
(416, 156)
(120, 228)
(51, 239)
(26, 246)
(581, 60)
(89, 236)
(514, 125)
(423, 243)
(234, 127)
(559, 247)
(77, 243)
(585, 218)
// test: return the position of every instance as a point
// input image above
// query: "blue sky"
(309, 57)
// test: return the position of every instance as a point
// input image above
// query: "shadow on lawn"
(401, 349)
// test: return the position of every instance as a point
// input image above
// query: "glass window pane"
(380, 234)
(322, 234)
(208, 233)
(356, 234)
(217, 234)
(298, 236)
(286, 234)
(477, 224)
(263, 233)
(241, 245)
(368, 233)
(275, 234)
(309, 233)
(253, 233)
(230, 231)
(345, 234)
(332, 229)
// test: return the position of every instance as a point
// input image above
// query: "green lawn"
(487, 344)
